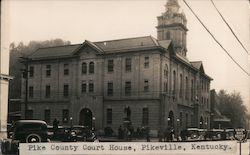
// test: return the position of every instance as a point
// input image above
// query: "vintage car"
(30, 131)
(83, 133)
(63, 133)
(195, 134)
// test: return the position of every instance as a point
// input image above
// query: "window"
(65, 115)
(128, 64)
(84, 68)
(65, 90)
(145, 116)
(31, 91)
(192, 89)
(127, 88)
(109, 116)
(47, 115)
(181, 86)
(186, 120)
(31, 71)
(207, 104)
(91, 86)
(91, 68)
(84, 87)
(146, 62)
(110, 65)
(48, 70)
(181, 119)
(186, 89)
(110, 88)
(166, 71)
(174, 82)
(29, 114)
(66, 69)
(168, 35)
(146, 86)
(47, 91)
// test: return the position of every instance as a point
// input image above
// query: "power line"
(229, 27)
(216, 39)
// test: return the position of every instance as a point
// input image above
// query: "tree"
(231, 105)
(18, 50)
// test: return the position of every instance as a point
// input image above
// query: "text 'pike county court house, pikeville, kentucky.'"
(146, 81)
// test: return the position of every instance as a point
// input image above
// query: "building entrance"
(85, 117)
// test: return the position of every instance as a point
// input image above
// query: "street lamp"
(93, 128)
(71, 122)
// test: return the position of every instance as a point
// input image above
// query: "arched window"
(174, 82)
(186, 89)
(84, 68)
(181, 86)
(91, 67)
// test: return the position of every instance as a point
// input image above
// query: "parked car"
(83, 133)
(30, 131)
(63, 133)
(195, 134)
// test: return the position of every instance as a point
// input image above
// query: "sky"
(99, 20)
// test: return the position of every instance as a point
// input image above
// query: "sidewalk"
(115, 139)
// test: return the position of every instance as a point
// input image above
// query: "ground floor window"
(47, 116)
(145, 116)
(29, 114)
(65, 115)
(109, 116)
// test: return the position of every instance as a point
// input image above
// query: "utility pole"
(25, 75)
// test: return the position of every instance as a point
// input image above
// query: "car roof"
(31, 121)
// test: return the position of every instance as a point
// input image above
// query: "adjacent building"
(142, 80)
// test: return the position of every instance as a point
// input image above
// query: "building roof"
(111, 46)
(129, 43)
(57, 51)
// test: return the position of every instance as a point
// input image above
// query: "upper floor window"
(145, 117)
(181, 86)
(127, 88)
(166, 71)
(110, 65)
(110, 89)
(128, 64)
(31, 91)
(146, 86)
(65, 90)
(31, 71)
(48, 70)
(91, 86)
(146, 62)
(66, 69)
(192, 89)
(168, 35)
(91, 67)
(84, 68)
(186, 89)
(47, 91)
(174, 82)
(84, 87)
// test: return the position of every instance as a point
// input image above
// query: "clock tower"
(172, 26)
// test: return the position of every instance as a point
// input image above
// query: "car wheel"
(33, 138)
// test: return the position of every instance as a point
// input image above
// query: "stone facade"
(145, 81)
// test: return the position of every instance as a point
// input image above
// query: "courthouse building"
(146, 81)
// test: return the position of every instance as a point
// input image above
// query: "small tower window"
(168, 35)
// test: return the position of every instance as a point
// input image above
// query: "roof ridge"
(58, 46)
(122, 39)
